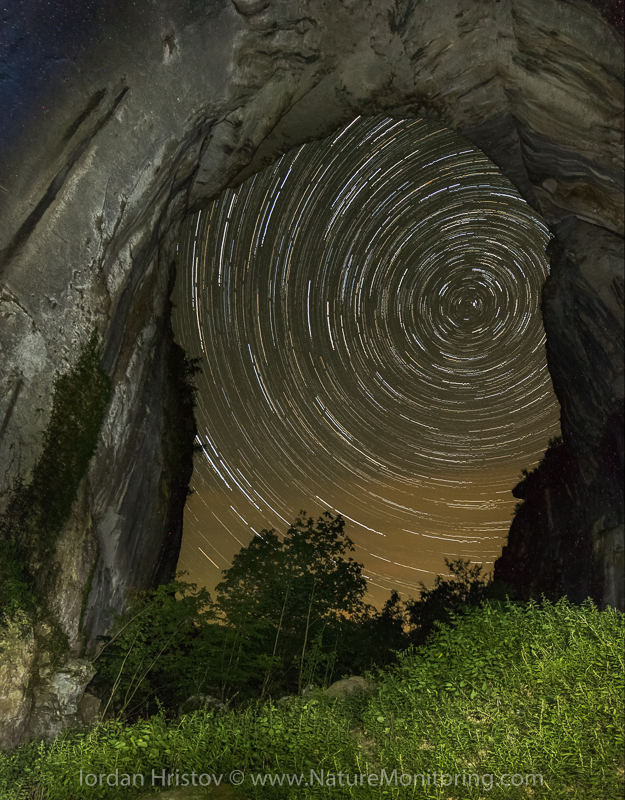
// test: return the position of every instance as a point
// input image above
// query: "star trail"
(367, 310)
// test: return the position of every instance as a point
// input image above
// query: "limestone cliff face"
(159, 105)
(139, 478)
(568, 535)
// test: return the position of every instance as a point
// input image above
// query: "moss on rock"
(38, 510)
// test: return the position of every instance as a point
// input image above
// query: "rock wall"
(568, 536)
(145, 112)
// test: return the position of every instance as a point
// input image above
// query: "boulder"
(200, 702)
(88, 709)
(348, 687)
(56, 702)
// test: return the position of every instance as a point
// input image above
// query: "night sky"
(368, 314)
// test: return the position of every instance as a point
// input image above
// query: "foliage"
(388, 630)
(157, 655)
(310, 555)
(180, 419)
(290, 613)
(290, 593)
(514, 689)
(372, 638)
(37, 510)
(464, 589)
(534, 688)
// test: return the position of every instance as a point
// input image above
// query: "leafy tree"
(467, 587)
(289, 612)
(371, 638)
(283, 607)
(291, 592)
(386, 632)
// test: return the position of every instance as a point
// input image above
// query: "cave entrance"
(367, 311)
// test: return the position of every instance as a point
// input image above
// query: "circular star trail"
(368, 314)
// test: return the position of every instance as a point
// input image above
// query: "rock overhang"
(174, 102)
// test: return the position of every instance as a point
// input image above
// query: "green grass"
(534, 689)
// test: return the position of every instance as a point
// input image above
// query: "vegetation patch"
(37, 511)
(288, 613)
(530, 695)
(180, 422)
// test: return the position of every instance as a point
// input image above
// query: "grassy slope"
(508, 689)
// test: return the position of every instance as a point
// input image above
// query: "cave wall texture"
(143, 111)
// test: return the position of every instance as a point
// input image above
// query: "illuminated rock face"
(156, 110)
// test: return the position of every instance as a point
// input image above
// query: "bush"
(156, 656)
(451, 596)
(516, 689)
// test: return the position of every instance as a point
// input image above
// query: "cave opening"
(367, 312)
(147, 118)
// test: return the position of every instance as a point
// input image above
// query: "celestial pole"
(367, 310)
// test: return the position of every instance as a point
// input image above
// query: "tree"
(467, 587)
(290, 592)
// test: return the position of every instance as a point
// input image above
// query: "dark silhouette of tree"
(465, 588)
(292, 592)
(290, 611)
(373, 637)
